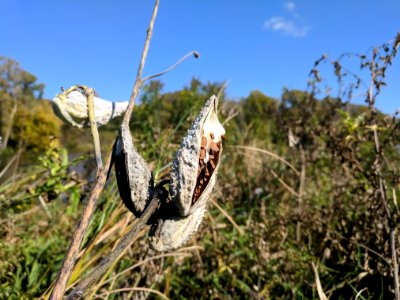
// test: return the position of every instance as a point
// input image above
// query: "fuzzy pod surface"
(71, 107)
(134, 178)
(171, 233)
(196, 163)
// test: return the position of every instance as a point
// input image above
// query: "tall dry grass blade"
(146, 260)
(360, 292)
(320, 291)
(138, 289)
(280, 180)
(268, 153)
(11, 162)
(226, 215)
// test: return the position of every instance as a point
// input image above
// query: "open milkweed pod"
(171, 233)
(134, 178)
(196, 163)
(71, 107)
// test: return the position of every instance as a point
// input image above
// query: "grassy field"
(305, 203)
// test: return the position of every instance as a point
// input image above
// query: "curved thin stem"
(138, 289)
(142, 262)
(192, 53)
(268, 153)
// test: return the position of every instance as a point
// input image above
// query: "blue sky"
(253, 44)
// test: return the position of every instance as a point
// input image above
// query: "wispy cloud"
(288, 26)
(290, 6)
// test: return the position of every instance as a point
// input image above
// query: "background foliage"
(314, 200)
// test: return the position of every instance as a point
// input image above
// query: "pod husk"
(71, 107)
(134, 178)
(190, 185)
(171, 233)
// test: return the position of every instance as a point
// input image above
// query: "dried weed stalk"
(134, 178)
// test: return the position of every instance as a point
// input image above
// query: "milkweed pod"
(71, 107)
(134, 178)
(195, 166)
(171, 233)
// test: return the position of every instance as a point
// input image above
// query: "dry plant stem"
(194, 53)
(138, 289)
(10, 123)
(10, 163)
(360, 292)
(268, 153)
(142, 262)
(44, 206)
(320, 291)
(73, 250)
(125, 242)
(301, 192)
(93, 127)
(139, 81)
(230, 219)
(382, 187)
(384, 259)
(280, 180)
(284, 184)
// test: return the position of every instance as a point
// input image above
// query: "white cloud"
(286, 27)
(290, 6)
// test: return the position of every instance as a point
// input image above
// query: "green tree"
(17, 87)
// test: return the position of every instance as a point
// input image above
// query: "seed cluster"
(206, 165)
(192, 179)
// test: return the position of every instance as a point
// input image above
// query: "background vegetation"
(299, 185)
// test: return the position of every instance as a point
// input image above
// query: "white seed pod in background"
(71, 107)
(171, 233)
(196, 163)
(134, 178)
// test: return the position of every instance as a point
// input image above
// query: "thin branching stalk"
(73, 251)
(381, 181)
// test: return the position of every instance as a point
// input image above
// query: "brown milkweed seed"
(196, 163)
(203, 142)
